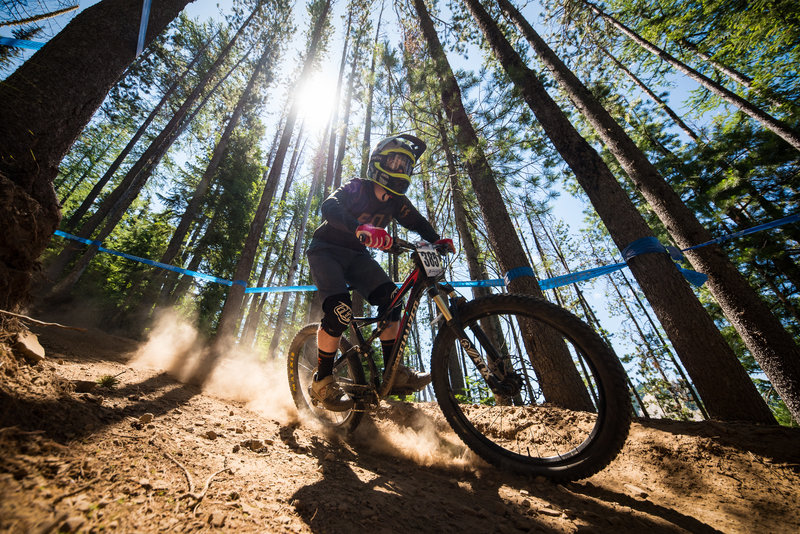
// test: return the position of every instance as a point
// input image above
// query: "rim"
(533, 430)
(306, 365)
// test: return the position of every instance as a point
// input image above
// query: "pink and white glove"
(374, 237)
(446, 244)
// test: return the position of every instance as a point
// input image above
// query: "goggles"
(397, 163)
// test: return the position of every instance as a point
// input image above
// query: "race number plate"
(431, 261)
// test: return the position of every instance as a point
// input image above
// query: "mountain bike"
(527, 385)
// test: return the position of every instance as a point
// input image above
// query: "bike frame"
(415, 284)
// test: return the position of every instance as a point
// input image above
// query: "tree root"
(42, 323)
(192, 493)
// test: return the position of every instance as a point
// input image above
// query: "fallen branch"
(185, 472)
(192, 493)
(42, 323)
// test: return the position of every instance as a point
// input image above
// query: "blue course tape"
(495, 282)
(645, 245)
(571, 278)
(754, 229)
(20, 43)
(143, 27)
(284, 289)
(517, 272)
(640, 246)
(650, 244)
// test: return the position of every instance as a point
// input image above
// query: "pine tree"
(44, 105)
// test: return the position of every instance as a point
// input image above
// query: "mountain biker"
(356, 215)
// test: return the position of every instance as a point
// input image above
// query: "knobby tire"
(300, 365)
(528, 439)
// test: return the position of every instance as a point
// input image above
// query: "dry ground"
(154, 455)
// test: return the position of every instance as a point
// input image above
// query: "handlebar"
(401, 245)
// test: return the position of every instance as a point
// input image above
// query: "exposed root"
(42, 323)
(197, 496)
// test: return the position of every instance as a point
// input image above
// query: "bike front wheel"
(564, 411)
(301, 364)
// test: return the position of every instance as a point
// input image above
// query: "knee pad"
(338, 314)
(382, 297)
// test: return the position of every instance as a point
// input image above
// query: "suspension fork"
(493, 373)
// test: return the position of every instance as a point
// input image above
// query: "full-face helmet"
(392, 162)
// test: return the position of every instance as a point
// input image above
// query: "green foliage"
(476, 392)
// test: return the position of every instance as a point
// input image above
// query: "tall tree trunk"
(723, 383)
(559, 378)
(780, 128)
(251, 320)
(92, 164)
(297, 249)
(337, 101)
(365, 144)
(654, 97)
(734, 74)
(127, 190)
(348, 101)
(765, 337)
(784, 265)
(244, 266)
(112, 213)
(75, 218)
(39, 17)
(44, 106)
(192, 208)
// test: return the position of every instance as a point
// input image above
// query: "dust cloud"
(416, 432)
(176, 346)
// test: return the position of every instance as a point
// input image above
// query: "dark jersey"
(354, 204)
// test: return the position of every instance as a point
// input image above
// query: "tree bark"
(770, 344)
(559, 379)
(780, 128)
(44, 106)
(722, 381)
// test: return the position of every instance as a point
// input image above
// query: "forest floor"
(152, 454)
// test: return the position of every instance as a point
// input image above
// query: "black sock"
(324, 364)
(387, 345)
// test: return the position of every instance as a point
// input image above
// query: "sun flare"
(315, 101)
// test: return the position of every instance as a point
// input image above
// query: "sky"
(565, 207)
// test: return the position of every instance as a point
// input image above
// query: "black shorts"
(336, 269)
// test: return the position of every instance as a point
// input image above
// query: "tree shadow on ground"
(775, 442)
(73, 416)
(360, 489)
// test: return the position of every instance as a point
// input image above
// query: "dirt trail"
(154, 455)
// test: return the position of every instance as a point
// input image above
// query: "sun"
(316, 100)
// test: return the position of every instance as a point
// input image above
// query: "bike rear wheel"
(529, 430)
(301, 364)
